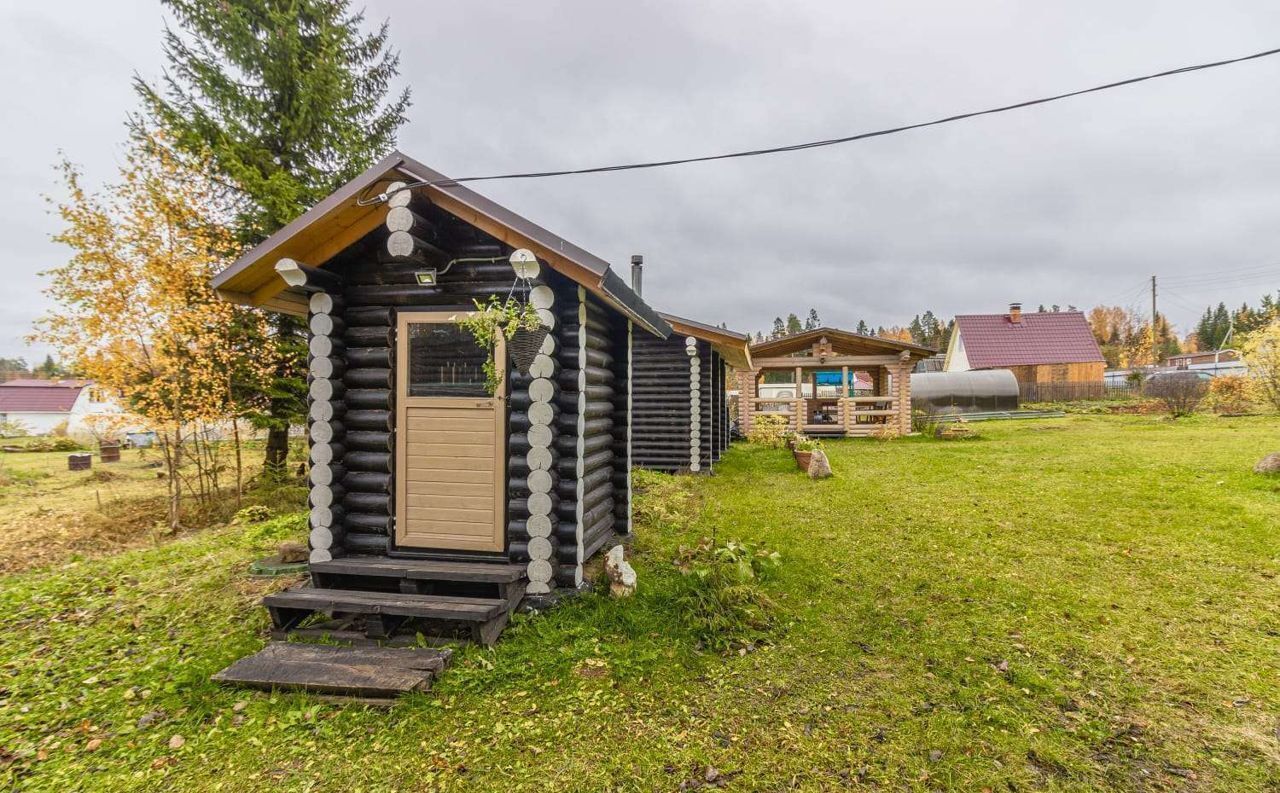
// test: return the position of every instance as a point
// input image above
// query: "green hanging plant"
(507, 317)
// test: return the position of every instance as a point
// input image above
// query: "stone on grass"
(1269, 464)
(953, 431)
(622, 576)
(819, 466)
(293, 552)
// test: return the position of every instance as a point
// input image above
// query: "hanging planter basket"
(523, 346)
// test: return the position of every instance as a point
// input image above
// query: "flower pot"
(523, 346)
(802, 459)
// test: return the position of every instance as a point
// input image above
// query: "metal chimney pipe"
(637, 273)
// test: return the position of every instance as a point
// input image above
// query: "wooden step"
(369, 672)
(439, 607)
(421, 569)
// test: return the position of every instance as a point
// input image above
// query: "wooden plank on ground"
(421, 659)
(350, 671)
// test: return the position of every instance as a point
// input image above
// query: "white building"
(41, 407)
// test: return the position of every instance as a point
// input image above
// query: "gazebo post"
(904, 392)
(845, 412)
(800, 399)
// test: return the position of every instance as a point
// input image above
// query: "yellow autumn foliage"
(136, 312)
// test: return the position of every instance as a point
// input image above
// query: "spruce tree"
(793, 325)
(285, 100)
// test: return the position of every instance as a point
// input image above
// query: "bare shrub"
(1179, 392)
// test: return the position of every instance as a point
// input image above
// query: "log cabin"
(680, 410)
(434, 502)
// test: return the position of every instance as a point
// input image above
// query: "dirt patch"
(1147, 407)
(41, 536)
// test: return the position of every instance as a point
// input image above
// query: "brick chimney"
(1015, 313)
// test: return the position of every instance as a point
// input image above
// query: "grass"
(1079, 604)
(51, 515)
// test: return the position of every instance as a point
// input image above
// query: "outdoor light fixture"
(524, 263)
(426, 277)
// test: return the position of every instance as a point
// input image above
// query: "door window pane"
(444, 360)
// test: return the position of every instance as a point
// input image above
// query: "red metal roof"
(993, 340)
(39, 396)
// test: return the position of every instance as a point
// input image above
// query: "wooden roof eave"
(733, 347)
(339, 221)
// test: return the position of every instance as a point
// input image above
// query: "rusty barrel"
(80, 461)
(109, 452)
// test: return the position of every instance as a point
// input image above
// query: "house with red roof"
(41, 407)
(1038, 347)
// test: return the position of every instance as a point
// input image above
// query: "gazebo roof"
(842, 342)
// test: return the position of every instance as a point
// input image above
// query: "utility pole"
(1153, 306)
(1155, 340)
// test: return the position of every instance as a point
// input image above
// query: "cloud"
(1076, 202)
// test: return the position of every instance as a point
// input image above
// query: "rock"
(622, 576)
(935, 755)
(1269, 464)
(177, 742)
(293, 552)
(147, 719)
(819, 466)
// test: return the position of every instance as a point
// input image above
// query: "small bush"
(925, 420)
(1179, 392)
(722, 602)
(803, 443)
(769, 429)
(1231, 394)
(48, 445)
(254, 513)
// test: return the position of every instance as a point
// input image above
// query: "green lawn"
(1089, 603)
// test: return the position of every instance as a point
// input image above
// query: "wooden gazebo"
(831, 382)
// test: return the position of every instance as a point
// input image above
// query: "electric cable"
(364, 200)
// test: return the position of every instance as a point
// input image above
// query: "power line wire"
(364, 200)
(1254, 280)
(1228, 272)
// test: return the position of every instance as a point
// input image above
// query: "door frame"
(402, 404)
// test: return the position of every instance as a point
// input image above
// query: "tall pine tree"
(286, 100)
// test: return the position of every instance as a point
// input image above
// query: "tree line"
(16, 368)
(924, 329)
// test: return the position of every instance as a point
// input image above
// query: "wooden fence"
(1070, 392)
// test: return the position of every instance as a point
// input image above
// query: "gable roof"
(842, 342)
(332, 225)
(993, 340)
(40, 396)
(734, 347)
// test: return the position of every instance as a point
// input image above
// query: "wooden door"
(451, 438)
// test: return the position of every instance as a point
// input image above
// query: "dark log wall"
(680, 412)
(567, 480)
(588, 429)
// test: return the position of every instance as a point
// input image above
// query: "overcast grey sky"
(1072, 203)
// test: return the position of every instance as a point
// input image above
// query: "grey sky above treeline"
(1077, 202)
